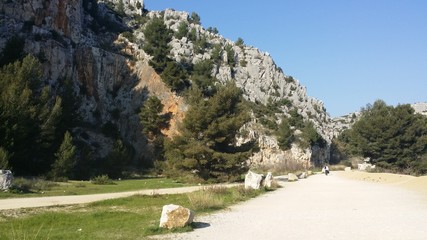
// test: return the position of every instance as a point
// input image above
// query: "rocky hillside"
(262, 82)
(97, 45)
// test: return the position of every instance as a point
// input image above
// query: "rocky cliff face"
(75, 42)
(262, 81)
(82, 41)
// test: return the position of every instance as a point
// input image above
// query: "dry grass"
(208, 198)
(282, 168)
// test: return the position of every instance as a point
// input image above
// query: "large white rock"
(292, 177)
(6, 178)
(268, 181)
(175, 216)
(253, 180)
(365, 167)
(303, 175)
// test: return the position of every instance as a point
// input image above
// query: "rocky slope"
(262, 81)
(83, 41)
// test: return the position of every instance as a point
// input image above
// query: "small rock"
(347, 169)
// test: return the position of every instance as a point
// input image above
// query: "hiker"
(326, 170)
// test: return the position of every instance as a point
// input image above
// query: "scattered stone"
(303, 175)
(365, 166)
(253, 180)
(6, 178)
(292, 177)
(268, 181)
(175, 216)
(347, 169)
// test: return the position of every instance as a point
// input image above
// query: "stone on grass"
(292, 177)
(303, 175)
(347, 169)
(175, 216)
(253, 180)
(268, 181)
(6, 178)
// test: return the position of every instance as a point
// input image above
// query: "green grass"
(87, 187)
(126, 218)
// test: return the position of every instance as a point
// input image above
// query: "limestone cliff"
(262, 81)
(83, 41)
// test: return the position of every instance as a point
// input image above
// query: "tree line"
(394, 138)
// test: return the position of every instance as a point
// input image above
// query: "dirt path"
(320, 207)
(68, 200)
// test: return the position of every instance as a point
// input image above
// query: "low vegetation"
(126, 218)
(23, 187)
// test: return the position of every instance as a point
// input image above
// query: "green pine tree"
(156, 44)
(29, 117)
(392, 137)
(4, 159)
(65, 161)
(285, 135)
(207, 145)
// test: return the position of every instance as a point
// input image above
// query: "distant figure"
(326, 170)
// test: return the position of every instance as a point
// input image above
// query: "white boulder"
(268, 181)
(253, 180)
(6, 178)
(175, 216)
(292, 177)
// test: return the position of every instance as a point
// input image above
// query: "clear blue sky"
(348, 53)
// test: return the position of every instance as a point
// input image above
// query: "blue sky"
(348, 53)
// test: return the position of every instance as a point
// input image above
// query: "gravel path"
(320, 207)
(15, 203)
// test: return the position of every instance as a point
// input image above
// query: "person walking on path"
(325, 170)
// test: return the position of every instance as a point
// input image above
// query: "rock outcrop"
(420, 108)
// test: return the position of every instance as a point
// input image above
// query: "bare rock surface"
(321, 207)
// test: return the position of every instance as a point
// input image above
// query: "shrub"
(240, 42)
(102, 180)
(24, 185)
(129, 36)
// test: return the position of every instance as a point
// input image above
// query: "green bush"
(24, 185)
(129, 36)
(102, 180)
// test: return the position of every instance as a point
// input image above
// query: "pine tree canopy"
(207, 144)
(392, 137)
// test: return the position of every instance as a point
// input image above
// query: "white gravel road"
(320, 207)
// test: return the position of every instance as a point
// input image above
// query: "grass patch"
(37, 188)
(133, 217)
